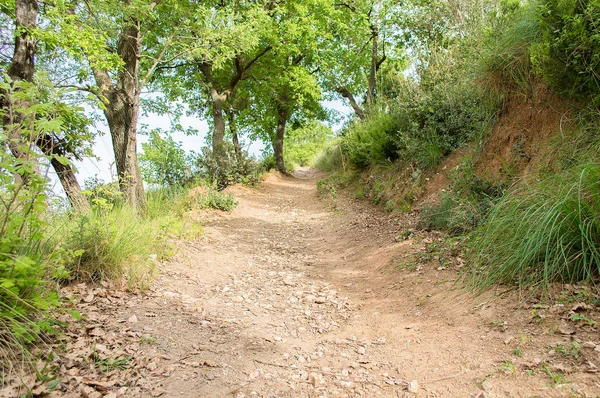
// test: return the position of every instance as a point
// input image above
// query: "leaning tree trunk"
(65, 173)
(278, 142)
(344, 92)
(72, 188)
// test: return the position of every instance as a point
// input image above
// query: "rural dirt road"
(290, 295)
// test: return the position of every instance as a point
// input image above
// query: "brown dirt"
(292, 296)
(521, 135)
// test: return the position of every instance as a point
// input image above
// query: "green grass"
(542, 232)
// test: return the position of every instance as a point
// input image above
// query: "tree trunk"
(69, 183)
(234, 134)
(122, 122)
(374, 65)
(22, 68)
(122, 112)
(278, 142)
(65, 174)
(219, 122)
(348, 95)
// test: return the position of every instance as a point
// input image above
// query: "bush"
(29, 265)
(568, 54)
(208, 198)
(505, 60)
(422, 126)
(115, 244)
(164, 162)
(330, 158)
(368, 142)
(230, 168)
(465, 205)
(548, 231)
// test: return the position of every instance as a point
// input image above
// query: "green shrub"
(29, 265)
(368, 142)
(465, 205)
(568, 54)
(164, 162)
(422, 126)
(505, 59)
(331, 158)
(544, 232)
(230, 168)
(304, 143)
(116, 243)
(218, 200)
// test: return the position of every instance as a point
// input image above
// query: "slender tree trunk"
(278, 142)
(348, 95)
(374, 65)
(218, 100)
(69, 183)
(65, 174)
(234, 134)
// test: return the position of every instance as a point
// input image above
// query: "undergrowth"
(541, 232)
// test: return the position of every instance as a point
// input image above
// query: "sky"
(104, 167)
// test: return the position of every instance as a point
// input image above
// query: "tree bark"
(22, 68)
(121, 112)
(348, 95)
(282, 114)
(234, 134)
(218, 100)
(374, 65)
(65, 174)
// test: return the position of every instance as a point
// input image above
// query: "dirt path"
(292, 296)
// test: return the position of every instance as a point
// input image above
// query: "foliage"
(164, 162)
(330, 158)
(505, 60)
(231, 168)
(28, 264)
(303, 143)
(421, 127)
(212, 199)
(116, 243)
(542, 232)
(466, 203)
(568, 54)
(371, 141)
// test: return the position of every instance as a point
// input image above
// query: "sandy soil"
(290, 295)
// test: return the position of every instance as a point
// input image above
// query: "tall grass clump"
(368, 142)
(505, 59)
(115, 243)
(541, 233)
(330, 158)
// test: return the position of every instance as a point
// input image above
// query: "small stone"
(132, 319)
(589, 344)
(361, 350)
(566, 329)
(413, 386)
